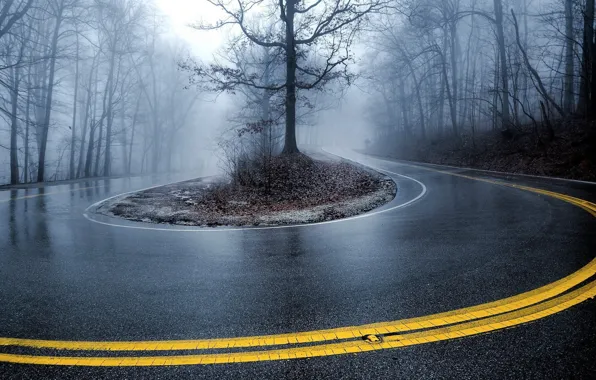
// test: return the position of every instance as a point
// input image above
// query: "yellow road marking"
(481, 326)
(349, 332)
(490, 316)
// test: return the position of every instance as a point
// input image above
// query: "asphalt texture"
(463, 243)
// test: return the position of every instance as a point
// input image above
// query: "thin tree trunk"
(108, 158)
(441, 116)
(132, 135)
(533, 71)
(583, 107)
(89, 159)
(14, 152)
(74, 115)
(27, 124)
(404, 108)
(568, 99)
(450, 99)
(454, 79)
(466, 80)
(503, 62)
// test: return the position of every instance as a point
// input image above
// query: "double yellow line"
(492, 316)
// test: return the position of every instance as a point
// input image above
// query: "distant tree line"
(451, 68)
(89, 88)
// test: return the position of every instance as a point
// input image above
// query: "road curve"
(445, 242)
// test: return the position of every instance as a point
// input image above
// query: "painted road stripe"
(354, 346)
(349, 332)
(478, 319)
(586, 205)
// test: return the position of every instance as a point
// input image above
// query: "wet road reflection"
(464, 243)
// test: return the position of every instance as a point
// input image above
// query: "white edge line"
(420, 163)
(211, 229)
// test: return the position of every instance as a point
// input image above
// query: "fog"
(94, 88)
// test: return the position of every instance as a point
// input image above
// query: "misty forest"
(96, 88)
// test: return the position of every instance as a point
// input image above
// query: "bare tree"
(319, 27)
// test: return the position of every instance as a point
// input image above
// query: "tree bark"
(27, 125)
(568, 98)
(290, 145)
(14, 152)
(454, 79)
(503, 63)
(132, 136)
(89, 158)
(48, 105)
(73, 134)
(585, 93)
(108, 158)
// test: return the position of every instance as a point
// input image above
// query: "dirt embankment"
(571, 154)
(302, 190)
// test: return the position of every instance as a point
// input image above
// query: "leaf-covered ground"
(302, 190)
(571, 154)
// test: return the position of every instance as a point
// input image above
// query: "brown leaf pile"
(297, 182)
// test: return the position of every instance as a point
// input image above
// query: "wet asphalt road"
(463, 243)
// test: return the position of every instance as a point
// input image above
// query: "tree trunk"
(454, 80)
(290, 145)
(503, 63)
(450, 98)
(50, 90)
(583, 106)
(404, 109)
(132, 135)
(74, 115)
(27, 124)
(592, 102)
(48, 105)
(100, 136)
(89, 158)
(441, 117)
(420, 107)
(124, 143)
(568, 98)
(14, 152)
(108, 158)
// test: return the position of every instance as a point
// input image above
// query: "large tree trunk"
(568, 98)
(503, 63)
(290, 145)
(48, 105)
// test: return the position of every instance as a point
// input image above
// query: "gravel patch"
(303, 190)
